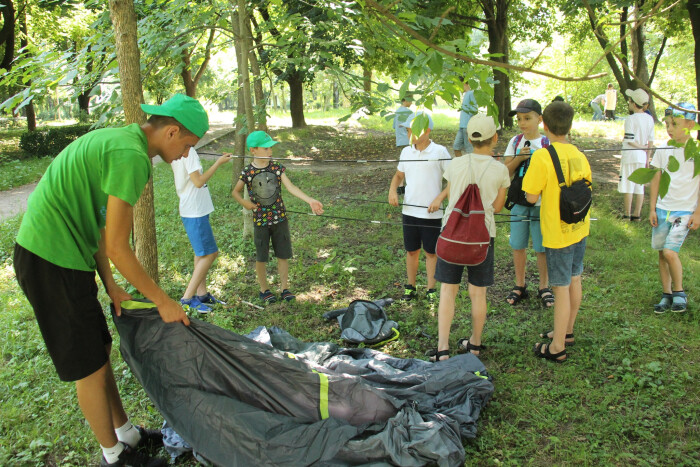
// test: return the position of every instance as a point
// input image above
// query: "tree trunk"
(497, 28)
(128, 57)
(84, 102)
(694, 13)
(260, 110)
(597, 29)
(336, 95)
(24, 42)
(7, 34)
(296, 100)
(366, 79)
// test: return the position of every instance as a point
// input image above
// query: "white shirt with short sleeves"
(684, 188)
(639, 128)
(489, 174)
(194, 202)
(423, 178)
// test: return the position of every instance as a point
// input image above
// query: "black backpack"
(516, 195)
(575, 199)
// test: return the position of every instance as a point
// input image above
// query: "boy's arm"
(236, 193)
(500, 200)
(653, 196)
(316, 206)
(117, 233)
(115, 292)
(199, 179)
(436, 204)
(396, 181)
(512, 162)
(694, 221)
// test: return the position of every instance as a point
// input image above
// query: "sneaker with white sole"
(131, 457)
(195, 304)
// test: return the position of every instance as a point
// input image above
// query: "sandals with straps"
(545, 335)
(517, 297)
(546, 297)
(435, 355)
(466, 346)
(555, 357)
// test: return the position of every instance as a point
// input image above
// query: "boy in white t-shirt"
(636, 145)
(525, 217)
(195, 207)
(421, 166)
(677, 212)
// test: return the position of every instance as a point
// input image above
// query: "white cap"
(639, 96)
(481, 127)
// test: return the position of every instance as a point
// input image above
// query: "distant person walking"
(597, 109)
(468, 109)
(610, 102)
(400, 116)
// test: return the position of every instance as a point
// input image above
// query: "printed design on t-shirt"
(264, 188)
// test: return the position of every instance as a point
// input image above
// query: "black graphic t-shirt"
(264, 188)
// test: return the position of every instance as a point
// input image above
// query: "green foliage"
(49, 141)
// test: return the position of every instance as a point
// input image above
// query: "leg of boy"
(542, 269)
(446, 313)
(261, 275)
(638, 202)
(283, 271)
(664, 273)
(412, 263)
(675, 269)
(99, 402)
(430, 262)
(198, 282)
(477, 296)
(627, 204)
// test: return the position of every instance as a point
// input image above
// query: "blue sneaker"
(195, 304)
(209, 299)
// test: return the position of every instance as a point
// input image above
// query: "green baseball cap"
(260, 139)
(186, 110)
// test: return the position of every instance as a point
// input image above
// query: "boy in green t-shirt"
(77, 220)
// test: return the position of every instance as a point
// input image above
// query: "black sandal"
(466, 346)
(517, 297)
(555, 357)
(435, 354)
(546, 296)
(545, 335)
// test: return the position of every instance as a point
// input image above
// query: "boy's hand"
(436, 205)
(524, 152)
(172, 312)
(393, 198)
(251, 206)
(316, 207)
(654, 221)
(694, 221)
(225, 157)
(118, 295)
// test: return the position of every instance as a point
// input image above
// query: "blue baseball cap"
(671, 111)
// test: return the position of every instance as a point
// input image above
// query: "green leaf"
(382, 87)
(344, 118)
(664, 184)
(642, 176)
(691, 150)
(673, 142)
(673, 164)
(419, 124)
(435, 63)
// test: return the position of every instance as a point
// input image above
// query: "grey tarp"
(237, 401)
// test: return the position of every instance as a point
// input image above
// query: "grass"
(15, 169)
(629, 393)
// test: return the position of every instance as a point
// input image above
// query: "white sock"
(128, 434)
(112, 454)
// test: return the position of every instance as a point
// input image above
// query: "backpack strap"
(545, 142)
(557, 165)
(516, 142)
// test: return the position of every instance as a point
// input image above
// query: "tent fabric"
(274, 400)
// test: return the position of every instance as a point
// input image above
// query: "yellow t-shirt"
(541, 178)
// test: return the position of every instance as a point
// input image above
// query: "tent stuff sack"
(365, 322)
(275, 400)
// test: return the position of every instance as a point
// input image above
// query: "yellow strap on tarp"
(137, 305)
(323, 395)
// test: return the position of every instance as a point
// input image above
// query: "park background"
(324, 79)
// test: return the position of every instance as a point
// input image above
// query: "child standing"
(525, 219)
(421, 166)
(263, 178)
(565, 244)
(466, 112)
(610, 102)
(677, 212)
(638, 139)
(492, 179)
(195, 207)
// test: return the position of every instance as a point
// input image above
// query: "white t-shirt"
(423, 179)
(489, 174)
(194, 202)
(684, 188)
(639, 128)
(610, 99)
(511, 150)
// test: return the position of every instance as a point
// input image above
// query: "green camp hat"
(185, 110)
(260, 139)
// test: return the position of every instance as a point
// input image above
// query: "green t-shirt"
(69, 205)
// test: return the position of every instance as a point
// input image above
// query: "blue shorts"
(522, 227)
(480, 275)
(671, 230)
(200, 234)
(461, 142)
(565, 263)
(418, 231)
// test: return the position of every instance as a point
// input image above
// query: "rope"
(371, 221)
(419, 206)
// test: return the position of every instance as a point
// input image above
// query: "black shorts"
(480, 275)
(281, 241)
(417, 232)
(70, 317)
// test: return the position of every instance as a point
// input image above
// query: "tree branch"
(656, 60)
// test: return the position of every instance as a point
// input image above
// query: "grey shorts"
(565, 263)
(281, 241)
(480, 275)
